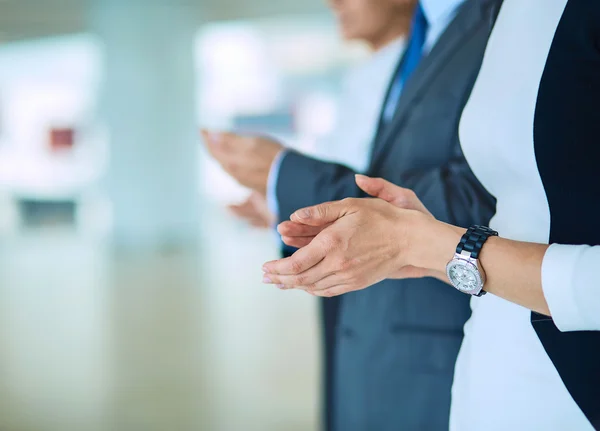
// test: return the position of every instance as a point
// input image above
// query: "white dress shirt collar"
(439, 14)
(393, 47)
(439, 10)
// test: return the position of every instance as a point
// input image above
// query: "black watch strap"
(474, 239)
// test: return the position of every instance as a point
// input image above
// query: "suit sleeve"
(451, 191)
(303, 181)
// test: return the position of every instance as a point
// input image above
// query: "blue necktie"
(410, 61)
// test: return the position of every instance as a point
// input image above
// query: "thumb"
(210, 136)
(396, 195)
(220, 139)
(380, 188)
(322, 214)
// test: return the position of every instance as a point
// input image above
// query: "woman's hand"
(299, 234)
(359, 242)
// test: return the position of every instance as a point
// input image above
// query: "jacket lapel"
(467, 20)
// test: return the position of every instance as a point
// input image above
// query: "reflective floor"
(97, 339)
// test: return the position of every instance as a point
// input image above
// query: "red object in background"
(61, 139)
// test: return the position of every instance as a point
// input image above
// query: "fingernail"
(281, 286)
(267, 280)
(303, 214)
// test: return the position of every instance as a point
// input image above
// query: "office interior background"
(130, 299)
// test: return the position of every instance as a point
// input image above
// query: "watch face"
(464, 276)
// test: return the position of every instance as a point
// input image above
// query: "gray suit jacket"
(398, 341)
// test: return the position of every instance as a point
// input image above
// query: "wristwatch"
(464, 271)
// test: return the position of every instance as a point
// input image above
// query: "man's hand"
(255, 211)
(300, 235)
(248, 159)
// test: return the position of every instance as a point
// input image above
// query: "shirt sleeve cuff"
(272, 183)
(558, 282)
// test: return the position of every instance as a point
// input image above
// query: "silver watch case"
(466, 262)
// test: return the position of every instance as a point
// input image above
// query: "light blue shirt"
(440, 14)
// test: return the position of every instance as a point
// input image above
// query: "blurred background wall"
(129, 298)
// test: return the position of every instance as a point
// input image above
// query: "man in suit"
(397, 342)
(383, 26)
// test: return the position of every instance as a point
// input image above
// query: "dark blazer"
(398, 341)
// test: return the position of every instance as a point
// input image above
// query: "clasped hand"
(354, 243)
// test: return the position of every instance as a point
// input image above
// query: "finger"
(260, 205)
(259, 223)
(242, 206)
(237, 212)
(319, 277)
(213, 149)
(245, 213)
(301, 261)
(297, 241)
(228, 142)
(396, 195)
(241, 210)
(322, 285)
(291, 229)
(333, 291)
(205, 135)
(222, 142)
(380, 188)
(211, 139)
(323, 214)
